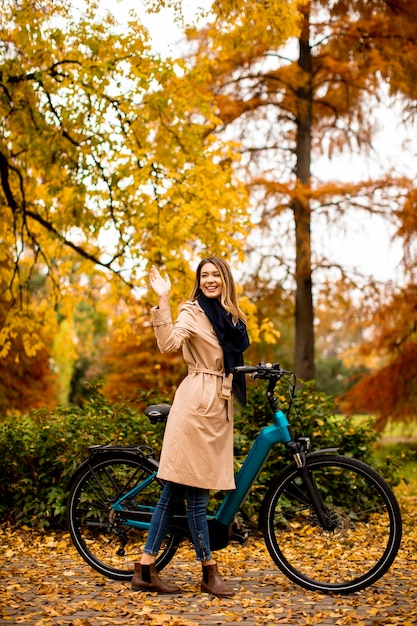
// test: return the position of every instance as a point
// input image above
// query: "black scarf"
(233, 339)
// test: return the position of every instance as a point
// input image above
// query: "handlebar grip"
(244, 369)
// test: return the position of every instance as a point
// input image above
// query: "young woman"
(197, 450)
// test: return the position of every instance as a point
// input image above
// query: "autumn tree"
(105, 163)
(78, 346)
(290, 106)
(389, 390)
(106, 166)
(131, 364)
(26, 381)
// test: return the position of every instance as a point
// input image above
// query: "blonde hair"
(229, 299)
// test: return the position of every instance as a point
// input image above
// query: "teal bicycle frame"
(278, 432)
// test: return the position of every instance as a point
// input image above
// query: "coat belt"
(226, 391)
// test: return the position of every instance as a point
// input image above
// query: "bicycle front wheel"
(365, 525)
(104, 540)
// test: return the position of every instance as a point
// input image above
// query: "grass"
(398, 441)
(400, 430)
(406, 455)
(397, 430)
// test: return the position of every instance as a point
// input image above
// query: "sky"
(366, 246)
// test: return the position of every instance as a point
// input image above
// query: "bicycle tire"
(365, 517)
(106, 543)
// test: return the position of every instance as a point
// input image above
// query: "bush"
(40, 451)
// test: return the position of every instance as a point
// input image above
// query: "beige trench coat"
(198, 442)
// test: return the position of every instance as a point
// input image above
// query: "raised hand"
(160, 284)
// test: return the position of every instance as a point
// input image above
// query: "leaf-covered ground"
(45, 583)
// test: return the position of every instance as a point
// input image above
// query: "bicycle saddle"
(157, 412)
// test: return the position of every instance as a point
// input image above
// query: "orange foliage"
(394, 323)
(26, 376)
(134, 364)
(26, 382)
(390, 392)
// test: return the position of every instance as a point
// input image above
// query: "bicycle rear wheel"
(365, 522)
(104, 540)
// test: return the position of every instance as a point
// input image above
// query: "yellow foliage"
(269, 333)
(258, 331)
(108, 166)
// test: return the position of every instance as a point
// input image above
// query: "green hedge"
(39, 452)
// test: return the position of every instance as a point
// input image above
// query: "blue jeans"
(171, 496)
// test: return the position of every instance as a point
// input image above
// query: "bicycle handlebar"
(244, 369)
(263, 370)
(272, 372)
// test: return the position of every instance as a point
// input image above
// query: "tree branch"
(70, 244)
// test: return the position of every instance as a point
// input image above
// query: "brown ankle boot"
(213, 583)
(145, 578)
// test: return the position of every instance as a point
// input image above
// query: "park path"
(45, 583)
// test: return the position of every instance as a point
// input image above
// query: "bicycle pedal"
(241, 538)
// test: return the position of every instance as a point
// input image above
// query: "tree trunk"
(304, 313)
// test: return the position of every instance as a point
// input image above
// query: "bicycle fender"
(322, 451)
(108, 453)
(74, 476)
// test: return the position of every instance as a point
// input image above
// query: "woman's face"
(210, 281)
